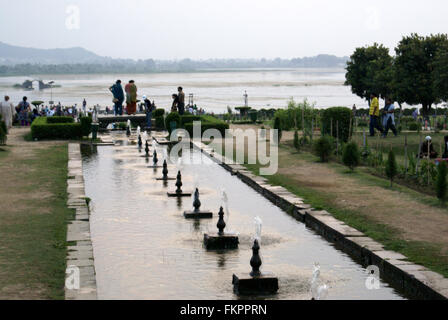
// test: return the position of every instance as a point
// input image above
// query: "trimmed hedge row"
(208, 122)
(41, 129)
(60, 120)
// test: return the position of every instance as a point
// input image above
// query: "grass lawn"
(33, 220)
(400, 218)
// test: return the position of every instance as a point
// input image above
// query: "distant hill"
(10, 55)
(15, 60)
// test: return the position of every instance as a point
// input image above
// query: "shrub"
(40, 129)
(291, 117)
(350, 156)
(323, 147)
(188, 118)
(391, 167)
(441, 185)
(339, 115)
(172, 117)
(60, 120)
(296, 140)
(160, 123)
(86, 126)
(208, 122)
(278, 126)
(158, 113)
(413, 126)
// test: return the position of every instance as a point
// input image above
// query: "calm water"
(145, 249)
(213, 91)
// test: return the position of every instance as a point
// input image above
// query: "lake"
(213, 90)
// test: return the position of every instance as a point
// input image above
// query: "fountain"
(155, 160)
(165, 173)
(140, 142)
(197, 213)
(319, 290)
(138, 131)
(256, 282)
(128, 128)
(147, 155)
(221, 240)
(179, 192)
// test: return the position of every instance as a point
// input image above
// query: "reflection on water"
(145, 249)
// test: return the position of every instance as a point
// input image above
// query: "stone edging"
(80, 250)
(415, 281)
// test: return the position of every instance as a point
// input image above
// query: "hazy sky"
(200, 29)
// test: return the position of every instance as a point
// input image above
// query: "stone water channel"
(144, 248)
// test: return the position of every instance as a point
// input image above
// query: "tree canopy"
(414, 69)
(369, 70)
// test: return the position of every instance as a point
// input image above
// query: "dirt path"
(415, 220)
(26, 199)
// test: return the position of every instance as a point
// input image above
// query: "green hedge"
(172, 117)
(189, 118)
(208, 122)
(60, 120)
(86, 125)
(158, 113)
(41, 129)
(339, 115)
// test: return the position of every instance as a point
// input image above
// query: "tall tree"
(369, 70)
(440, 74)
(413, 70)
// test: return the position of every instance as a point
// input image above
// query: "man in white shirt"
(390, 118)
(7, 111)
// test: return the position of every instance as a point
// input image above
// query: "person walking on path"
(7, 112)
(118, 99)
(374, 114)
(181, 101)
(131, 97)
(390, 118)
(23, 108)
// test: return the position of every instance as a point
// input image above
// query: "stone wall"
(80, 250)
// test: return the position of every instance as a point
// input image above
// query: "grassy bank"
(33, 220)
(402, 219)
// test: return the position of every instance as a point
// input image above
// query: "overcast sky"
(199, 29)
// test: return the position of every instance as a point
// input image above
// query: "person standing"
(390, 118)
(148, 111)
(175, 102)
(131, 97)
(84, 105)
(23, 109)
(117, 92)
(374, 114)
(7, 112)
(181, 101)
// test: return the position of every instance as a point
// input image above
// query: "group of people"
(388, 116)
(119, 97)
(25, 114)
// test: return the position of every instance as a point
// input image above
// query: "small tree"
(278, 127)
(441, 185)
(351, 155)
(296, 140)
(391, 167)
(323, 147)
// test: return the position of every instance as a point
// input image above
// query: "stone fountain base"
(163, 179)
(179, 194)
(245, 284)
(155, 167)
(218, 242)
(198, 214)
(144, 156)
